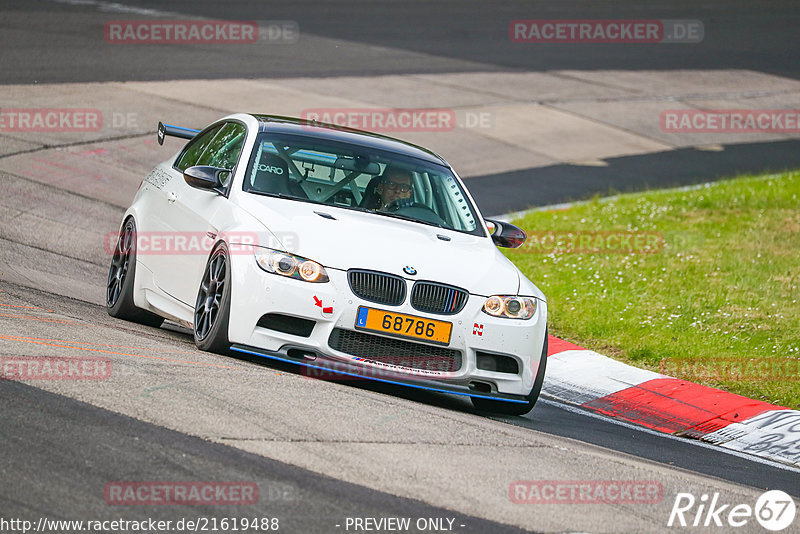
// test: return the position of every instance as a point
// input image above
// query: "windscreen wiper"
(407, 218)
(287, 197)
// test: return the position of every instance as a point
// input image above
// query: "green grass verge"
(715, 300)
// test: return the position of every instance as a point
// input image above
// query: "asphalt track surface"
(159, 420)
(45, 42)
(545, 186)
(426, 36)
(102, 444)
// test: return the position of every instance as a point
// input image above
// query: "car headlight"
(510, 306)
(290, 266)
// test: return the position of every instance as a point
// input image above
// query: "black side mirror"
(205, 177)
(506, 234)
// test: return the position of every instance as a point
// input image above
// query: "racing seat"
(370, 199)
(272, 176)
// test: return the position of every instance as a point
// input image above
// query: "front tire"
(121, 275)
(213, 305)
(513, 408)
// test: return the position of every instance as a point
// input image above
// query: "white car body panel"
(380, 243)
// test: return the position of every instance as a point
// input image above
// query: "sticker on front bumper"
(325, 309)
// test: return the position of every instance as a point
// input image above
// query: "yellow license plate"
(400, 324)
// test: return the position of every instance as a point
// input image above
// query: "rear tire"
(213, 305)
(121, 275)
(513, 408)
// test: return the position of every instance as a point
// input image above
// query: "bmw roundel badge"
(409, 270)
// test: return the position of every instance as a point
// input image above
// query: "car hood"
(348, 239)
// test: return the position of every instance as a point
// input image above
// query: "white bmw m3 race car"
(336, 249)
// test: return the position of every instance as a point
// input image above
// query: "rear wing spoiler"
(174, 131)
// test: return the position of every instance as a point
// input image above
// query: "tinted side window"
(195, 149)
(224, 150)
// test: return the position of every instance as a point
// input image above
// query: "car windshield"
(358, 178)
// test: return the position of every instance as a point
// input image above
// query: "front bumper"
(333, 305)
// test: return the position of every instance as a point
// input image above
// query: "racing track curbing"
(599, 384)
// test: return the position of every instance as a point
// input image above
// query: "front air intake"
(496, 362)
(374, 286)
(287, 324)
(438, 298)
(395, 352)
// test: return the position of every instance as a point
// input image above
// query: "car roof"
(332, 132)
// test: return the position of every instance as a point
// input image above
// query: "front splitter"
(341, 368)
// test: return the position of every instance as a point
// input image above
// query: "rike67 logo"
(774, 510)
